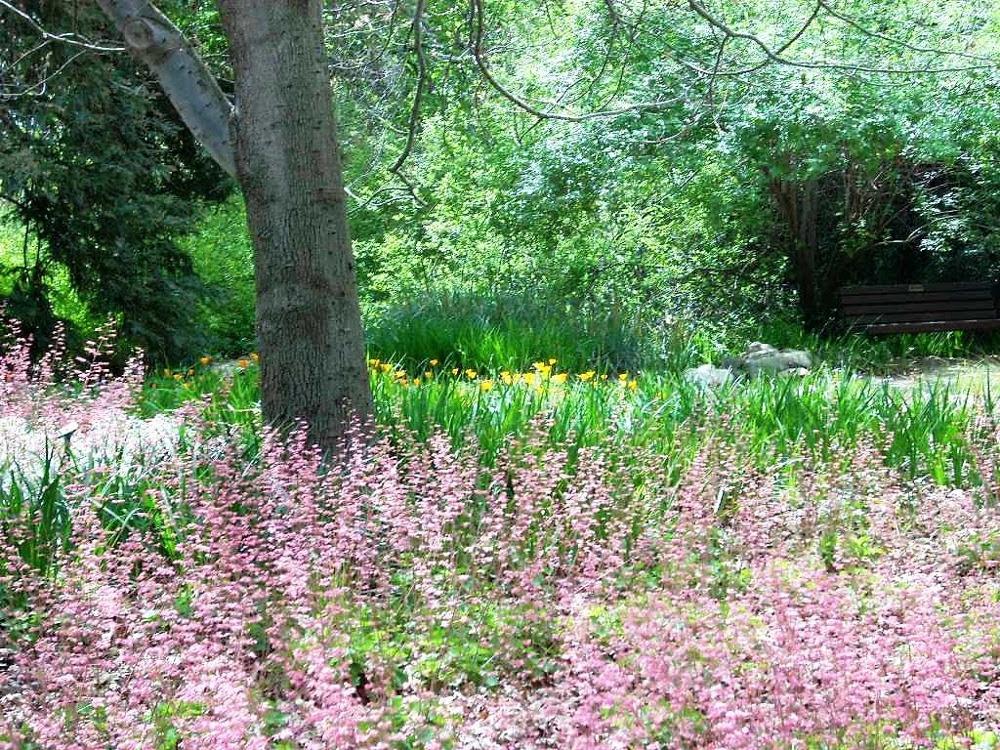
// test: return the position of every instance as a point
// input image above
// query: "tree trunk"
(797, 206)
(288, 165)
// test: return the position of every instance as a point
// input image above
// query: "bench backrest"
(920, 307)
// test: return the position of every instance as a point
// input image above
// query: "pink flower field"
(182, 593)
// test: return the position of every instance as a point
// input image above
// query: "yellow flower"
(560, 378)
(428, 374)
(191, 372)
(206, 360)
(471, 374)
(373, 363)
(623, 377)
(255, 356)
(508, 378)
(385, 367)
(243, 363)
(454, 371)
(416, 381)
(542, 368)
(167, 373)
(434, 363)
(529, 378)
(588, 375)
(604, 377)
(486, 385)
(633, 385)
(178, 376)
(553, 361)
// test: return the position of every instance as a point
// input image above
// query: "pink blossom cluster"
(407, 595)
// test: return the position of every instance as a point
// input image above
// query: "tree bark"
(281, 144)
(184, 77)
(288, 165)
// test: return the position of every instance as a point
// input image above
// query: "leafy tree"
(103, 176)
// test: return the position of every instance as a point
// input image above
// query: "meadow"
(533, 557)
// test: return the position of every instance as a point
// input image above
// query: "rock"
(708, 376)
(794, 372)
(766, 358)
(757, 349)
(732, 363)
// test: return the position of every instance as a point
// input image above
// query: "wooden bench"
(915, 308)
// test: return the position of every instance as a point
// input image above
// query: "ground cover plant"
(169, 583)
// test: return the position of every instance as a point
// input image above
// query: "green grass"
(925, 431)
(505, 333)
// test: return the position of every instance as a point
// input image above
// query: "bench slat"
(948, 325)
(985, 305)
(927, 317)
(885, 298)
(897, 288)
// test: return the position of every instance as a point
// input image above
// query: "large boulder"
(764, 358)
(759, 358)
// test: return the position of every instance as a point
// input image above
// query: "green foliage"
(102, 177)
(509, 332)
(924, 430)
(222, 258)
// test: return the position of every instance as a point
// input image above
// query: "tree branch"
(71, 39)
(185, 78)
(553, 111)
(777, 56)
(418, 95)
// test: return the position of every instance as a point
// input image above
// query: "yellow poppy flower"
(486, 385)
(588, 375)
(471, 374)
(206, 360)
(434, 363)
(560, 378)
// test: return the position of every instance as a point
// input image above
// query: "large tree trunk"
(287, 162)
(797, 206)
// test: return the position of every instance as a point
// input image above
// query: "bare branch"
(828, 7)
(418, 94)
(776, 56)
(72, 39)
(41, 84)
(553, 110)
